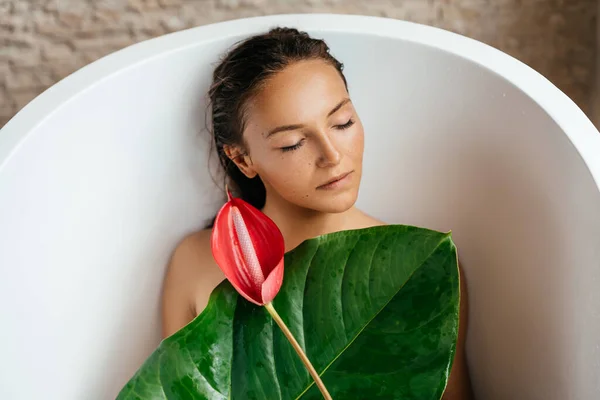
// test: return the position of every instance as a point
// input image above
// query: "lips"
(335, 179)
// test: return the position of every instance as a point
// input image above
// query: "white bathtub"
(106, 171)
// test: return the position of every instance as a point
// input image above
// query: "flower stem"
(296, 346)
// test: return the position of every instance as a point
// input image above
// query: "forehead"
(301, 92)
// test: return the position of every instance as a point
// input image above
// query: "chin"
(336, 203)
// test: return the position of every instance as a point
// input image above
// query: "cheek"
(355, 143)
(289, 174)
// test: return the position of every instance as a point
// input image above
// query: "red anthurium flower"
(249, 248)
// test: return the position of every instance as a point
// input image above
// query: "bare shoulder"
(364, 220)
(191, 276)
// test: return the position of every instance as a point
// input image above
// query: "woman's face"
(304, 138)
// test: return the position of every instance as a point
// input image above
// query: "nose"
(330, 155)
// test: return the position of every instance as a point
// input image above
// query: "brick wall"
(43, 41)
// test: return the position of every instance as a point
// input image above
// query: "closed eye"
(294, 147)
(346, 125)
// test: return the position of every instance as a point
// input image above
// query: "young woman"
(291, 144)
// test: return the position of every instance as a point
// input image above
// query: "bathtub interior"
(94, 199)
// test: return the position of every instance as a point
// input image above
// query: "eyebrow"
(299, 126)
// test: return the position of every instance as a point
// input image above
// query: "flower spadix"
(249, 249)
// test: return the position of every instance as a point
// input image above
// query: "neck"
(298, 224)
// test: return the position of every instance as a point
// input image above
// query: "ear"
(241, 159)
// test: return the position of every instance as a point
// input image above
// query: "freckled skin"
(328, 142)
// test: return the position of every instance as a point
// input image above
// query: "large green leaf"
(375, 309)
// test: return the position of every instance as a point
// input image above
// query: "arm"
(191, 277)
(459, 384)
(177, 298)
